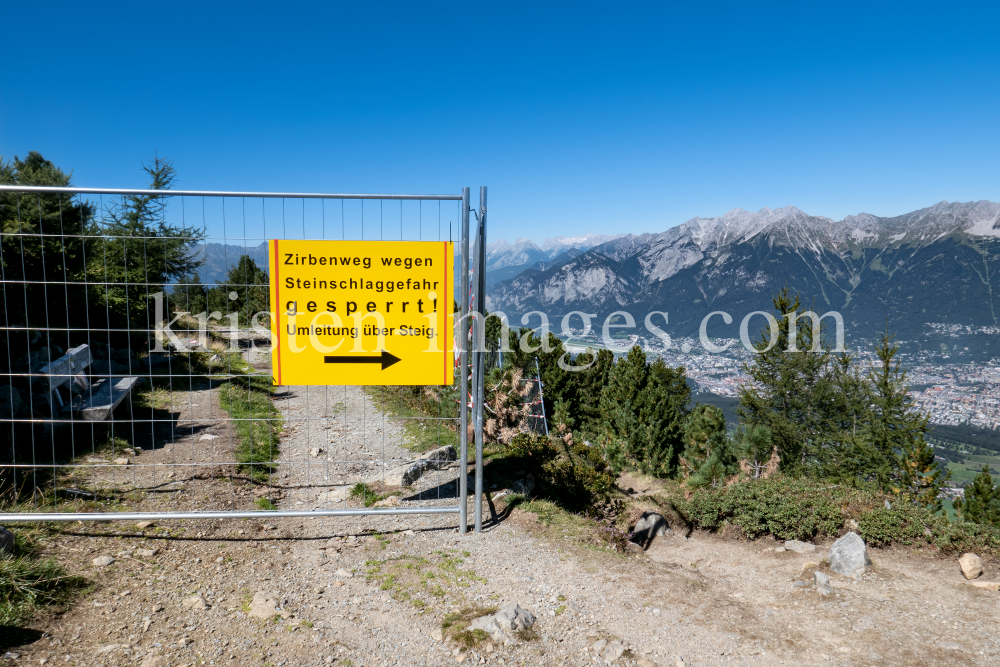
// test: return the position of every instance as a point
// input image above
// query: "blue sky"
(580, 117)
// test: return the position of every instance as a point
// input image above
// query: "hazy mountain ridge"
(935, 264)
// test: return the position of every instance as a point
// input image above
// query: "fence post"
(463, 454)
(480, 277)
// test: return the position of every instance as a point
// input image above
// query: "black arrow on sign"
(385, 359)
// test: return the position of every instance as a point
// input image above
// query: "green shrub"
(789, 508)
(573, 476)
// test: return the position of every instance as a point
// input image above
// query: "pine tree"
(249, 283)
(791, 392)
(920, 478)
(642, 407)
(894, 424)
(982, 500)
(139, 250)
(188, 295)
(755, 448)
(708, 457)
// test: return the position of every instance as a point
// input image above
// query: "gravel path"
(372, 591)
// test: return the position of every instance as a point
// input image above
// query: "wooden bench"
(97, 398)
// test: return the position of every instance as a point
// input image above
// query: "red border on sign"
(277, 298)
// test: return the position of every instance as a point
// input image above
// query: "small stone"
(315, 451)
(613, 651)
(184, 642)
(143, 525)
(195, 602)
(338, 583)
(680, 661)
(460, 658)
(599, 645)
(263, 605)
(644, 662)
(437, 635)
(121, 462)
(154, 661)
(972, 565)
(391, 501)
(408, 532)
(343, 574)
(157, 608)
(6, 541)
(207, 437)
(822, 583)
(849, 556)
(146, 622)
(779, 550)
(102, 561)
(799, 547)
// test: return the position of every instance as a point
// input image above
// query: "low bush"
(789, 508)
(573, 476)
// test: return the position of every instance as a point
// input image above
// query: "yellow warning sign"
(362, 312)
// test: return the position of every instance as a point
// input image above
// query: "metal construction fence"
(135, 355)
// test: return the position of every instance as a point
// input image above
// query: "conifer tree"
(894, 424)
(982, 500)
(920, 478)
(189, 295)
(791, 392)
(708, 457)
(642, 407)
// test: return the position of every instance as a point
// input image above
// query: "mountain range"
(935, 265)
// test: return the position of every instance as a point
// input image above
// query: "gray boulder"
(849, 556)
(649, 526)
(6, 541)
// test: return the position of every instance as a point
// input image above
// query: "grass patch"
(365, 494)
(29, 584)
(265, 504)
(455, 624)
(423, 582)
(428, 414)
(256, 422)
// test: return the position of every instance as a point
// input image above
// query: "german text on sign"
(362, 312)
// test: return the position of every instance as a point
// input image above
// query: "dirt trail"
(712, 600)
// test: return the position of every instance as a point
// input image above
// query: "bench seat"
(105, 394)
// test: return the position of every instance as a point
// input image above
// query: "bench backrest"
(63, 369)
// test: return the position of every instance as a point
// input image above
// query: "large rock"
(849, 556)
(649, 526)
(6, 541)
(972, 565)
(502, 625)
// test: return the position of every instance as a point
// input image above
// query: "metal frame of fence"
(58, 443)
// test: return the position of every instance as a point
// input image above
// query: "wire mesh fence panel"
(136, 361)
